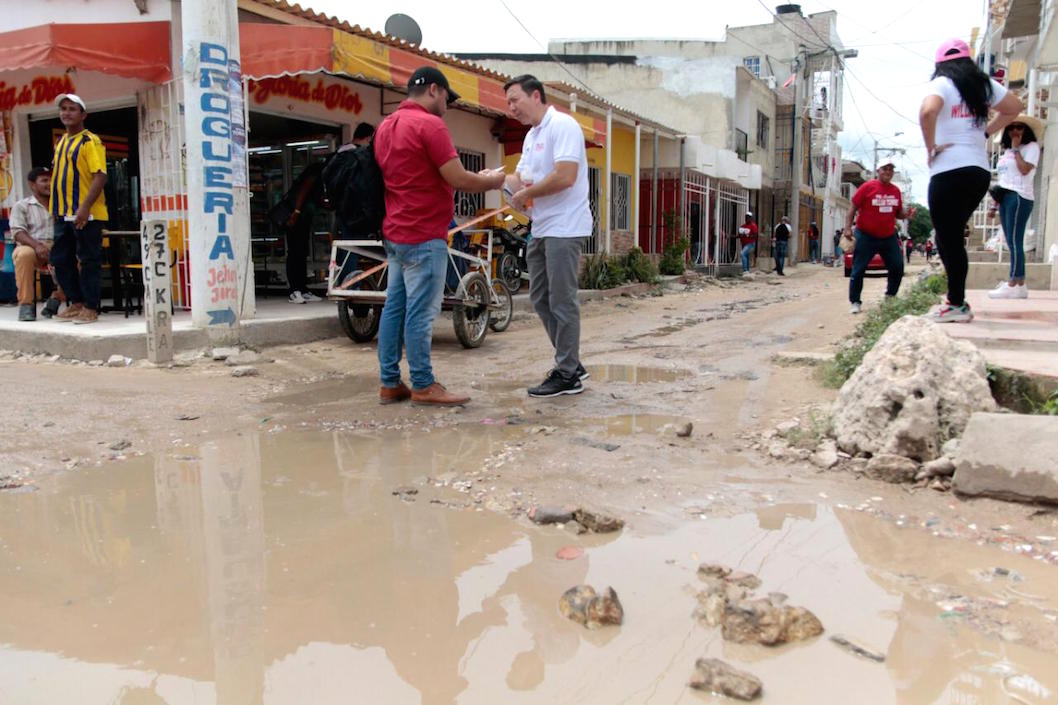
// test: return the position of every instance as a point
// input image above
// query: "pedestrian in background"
(955, 126)
(879, 204)
(1017, 172)
(813, 242)
(782, 241)
(33, 232)
(552, 176)
(747, 238)
(79, 173)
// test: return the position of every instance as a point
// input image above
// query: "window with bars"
(468, 204)
(593, 203)
(763, 127)
(621, 200)
(753, 64)
(742, 145)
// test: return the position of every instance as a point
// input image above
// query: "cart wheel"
(360, 321)
(509, 271)
(471, 318)
(500, 318)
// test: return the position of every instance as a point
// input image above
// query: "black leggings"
(953, 197)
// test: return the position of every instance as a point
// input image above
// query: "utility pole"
(798, 159)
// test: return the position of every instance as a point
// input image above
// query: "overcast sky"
(896, 40)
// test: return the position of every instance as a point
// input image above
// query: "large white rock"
(913, 391)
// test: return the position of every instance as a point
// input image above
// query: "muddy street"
(192, 537)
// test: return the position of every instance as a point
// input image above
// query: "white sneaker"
(1005, 291)
(951, 314)
(856, 308)
(309, 297)
(296, 298)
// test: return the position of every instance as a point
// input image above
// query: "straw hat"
(1035, 123)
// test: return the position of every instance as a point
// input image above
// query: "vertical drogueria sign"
(217, 195)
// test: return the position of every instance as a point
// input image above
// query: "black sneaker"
(27, 312)
(556, 385)
(582, 374)
(51, 307)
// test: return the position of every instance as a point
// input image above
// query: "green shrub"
(639, 267)
(917, 301)
(672, 259)
(602, 272)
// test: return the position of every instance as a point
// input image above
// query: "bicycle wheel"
(360, 321)
(471, 317)
(500, 318)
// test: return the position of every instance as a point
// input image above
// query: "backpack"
(352, 181)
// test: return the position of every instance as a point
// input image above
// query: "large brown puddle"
(282, 569)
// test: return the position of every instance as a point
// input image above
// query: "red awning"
(129, 49)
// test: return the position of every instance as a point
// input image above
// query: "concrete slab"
(1017, 334)
(985, 275)
(1008, 456)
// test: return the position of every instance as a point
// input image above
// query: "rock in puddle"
(762, 622)
(736, 577)
(852, 647)
(597, 522)
(715, 676)
(550, 515)
(244, 371)
(685, 430)
(584, 606)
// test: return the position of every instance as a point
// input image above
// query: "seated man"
(31, 227)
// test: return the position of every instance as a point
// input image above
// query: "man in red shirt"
(878, 203)
(747, 238)
(420, 169)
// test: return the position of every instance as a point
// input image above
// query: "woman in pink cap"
(955, 126)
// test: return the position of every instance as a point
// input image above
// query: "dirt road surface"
(183, 536)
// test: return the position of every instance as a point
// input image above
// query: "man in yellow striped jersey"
(79, 172)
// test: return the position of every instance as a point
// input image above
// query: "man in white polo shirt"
(551, 184)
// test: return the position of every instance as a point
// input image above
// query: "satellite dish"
(404, 27)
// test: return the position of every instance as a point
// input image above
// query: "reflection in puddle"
(630, 424)
(328, 391)
(209, 581)
(632, 373)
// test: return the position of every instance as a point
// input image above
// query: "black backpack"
(353, 184)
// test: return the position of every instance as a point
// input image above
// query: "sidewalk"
(277, 323)
(1017, 334)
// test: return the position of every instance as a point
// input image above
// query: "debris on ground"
(223, 353)
(584, 606)
(244, 371)
(569, 553)
(685, 430)
(715, 676)
(914, 390)
(852, 647)
(120, 445)
(550, 515)
(889, 467)
(598, 522)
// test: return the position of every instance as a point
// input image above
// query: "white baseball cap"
(73, 99)
(887, 161)
(749, 213)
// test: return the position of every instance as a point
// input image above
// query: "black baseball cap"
(426, 75)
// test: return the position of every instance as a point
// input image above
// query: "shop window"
(620, 200)
(468, 204)
(753, 64)
(763, 126)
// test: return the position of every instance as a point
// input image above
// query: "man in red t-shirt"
(747, 238)
(878, 203)
(420, 169)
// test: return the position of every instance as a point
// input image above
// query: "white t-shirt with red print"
(956, 126)
(1011, 177)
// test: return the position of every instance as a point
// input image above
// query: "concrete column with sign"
(218, 203)
(157, 290)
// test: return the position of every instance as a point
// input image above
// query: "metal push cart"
(478, 302)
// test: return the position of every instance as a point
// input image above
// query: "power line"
(548, 51)
(873, 95)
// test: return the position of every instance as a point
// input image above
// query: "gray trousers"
(554, 270)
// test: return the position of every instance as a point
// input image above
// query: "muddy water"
(283, 569)
(636, 374)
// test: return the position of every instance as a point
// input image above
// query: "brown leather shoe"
(87, 315)
(71, 312)
(437, 395)
(392, 395)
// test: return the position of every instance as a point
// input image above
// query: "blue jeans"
(71, 246)
(1014, 214)
(413, 300)
(747, 250)
(813, 250)
(866, 248)
(780, 254)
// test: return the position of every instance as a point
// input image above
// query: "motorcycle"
(511, 266)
